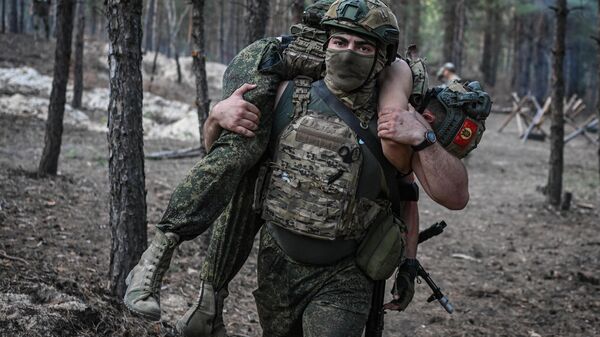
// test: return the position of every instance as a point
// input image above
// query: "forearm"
(443, 177)
(211, 131)
(411, 217)
(395, 85)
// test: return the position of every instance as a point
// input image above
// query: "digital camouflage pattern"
(312, 187)
(206, 191)
(303, 300)
(316, 168)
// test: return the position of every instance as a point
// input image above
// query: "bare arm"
(443, 177)
(411, 216)
(233, 114)
(396, 85)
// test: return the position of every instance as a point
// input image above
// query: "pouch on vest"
(382, 248)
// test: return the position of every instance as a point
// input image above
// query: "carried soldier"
(329, 184)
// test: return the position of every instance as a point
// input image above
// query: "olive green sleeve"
(205, 192)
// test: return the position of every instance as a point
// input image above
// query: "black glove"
(404, 286)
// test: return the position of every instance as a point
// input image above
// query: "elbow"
(455, 202)
(459, 201)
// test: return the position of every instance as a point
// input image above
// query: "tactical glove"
(404, 285)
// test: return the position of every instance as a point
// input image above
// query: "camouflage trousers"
(207, 190)
(232, 235)
(295, 299)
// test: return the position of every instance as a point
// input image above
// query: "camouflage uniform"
(205, 192)
(295, 299)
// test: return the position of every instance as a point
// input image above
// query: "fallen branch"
(12, 258)
(176, 154)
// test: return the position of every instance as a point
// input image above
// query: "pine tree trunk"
(125, 141)
(79, 44)
(148, 25)
(257, 20)
(488, 68)
(93, 18)
(13, 23)
(297, 10)
(539, 80)
(155, 26)
(459, 33)
(58, 96)
(222, 48)
(22, 16)
(231, 32)
(598, 99)
(3, 16)
(454, 18)
(199, 65)
(179, 75)
(557, 128)
(523, 53)
(414, 30)
(400, 7)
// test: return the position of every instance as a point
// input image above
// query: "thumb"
(244, 89)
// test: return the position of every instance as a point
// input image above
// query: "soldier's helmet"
(460, 112)
(368, 18)
(447, 66)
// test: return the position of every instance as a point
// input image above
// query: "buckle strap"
(301, 96)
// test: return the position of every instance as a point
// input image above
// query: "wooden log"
(518, 104)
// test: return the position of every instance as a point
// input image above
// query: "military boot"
(205, 317)
(144, 280)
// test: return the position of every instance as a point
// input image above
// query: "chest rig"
(317, 163)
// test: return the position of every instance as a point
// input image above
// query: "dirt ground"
(510, 265)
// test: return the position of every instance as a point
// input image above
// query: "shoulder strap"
(301, 96)
(372, 142)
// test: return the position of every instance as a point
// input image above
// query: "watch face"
(430, 135)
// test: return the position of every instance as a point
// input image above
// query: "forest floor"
(510, 265)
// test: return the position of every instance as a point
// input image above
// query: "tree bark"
(454, 18)
(125, 140)
(489, 61)
(222, 48)
(13, 22)
(598, 69)
(400, 8)
(58, 95)
(297, 10)
(522, 53)
(93, 18)
(79, 44)
(3, 16)
(557, 128)
(199, 65)
(148, 25)
(22, 16)
(540, 78)
(256, 19)
(414, 24)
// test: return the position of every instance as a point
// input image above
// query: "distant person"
(41, 13)
(447, 74)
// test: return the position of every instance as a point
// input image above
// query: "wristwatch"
(429, 140)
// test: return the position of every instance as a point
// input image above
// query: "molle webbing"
(317, 164)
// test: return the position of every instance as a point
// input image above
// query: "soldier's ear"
(429, 116)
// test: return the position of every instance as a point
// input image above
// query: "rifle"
(374, 326)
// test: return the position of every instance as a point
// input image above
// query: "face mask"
(347, 70)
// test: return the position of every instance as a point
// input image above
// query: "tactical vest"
(316, 169)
